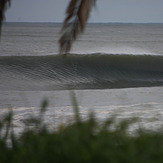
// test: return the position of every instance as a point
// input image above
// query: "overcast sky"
(134, 11)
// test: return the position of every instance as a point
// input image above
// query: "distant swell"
(85, 71)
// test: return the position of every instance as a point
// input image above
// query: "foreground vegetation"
(82, 141)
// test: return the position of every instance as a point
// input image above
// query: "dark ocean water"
(88, 71)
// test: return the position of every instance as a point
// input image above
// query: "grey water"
(32, 39)
(113, 69)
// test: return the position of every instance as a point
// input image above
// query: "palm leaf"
(3, 6)
(77, 14)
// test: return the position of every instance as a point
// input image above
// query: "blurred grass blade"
(77, 14)
(44, 106)
(8, 123)
(75, 106)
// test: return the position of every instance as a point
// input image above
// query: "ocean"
(113, 69)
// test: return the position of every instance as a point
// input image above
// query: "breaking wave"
(78, 71)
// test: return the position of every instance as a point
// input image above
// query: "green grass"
(82, 141)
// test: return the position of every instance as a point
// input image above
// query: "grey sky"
(139, 11)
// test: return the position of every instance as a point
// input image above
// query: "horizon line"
(32, 22)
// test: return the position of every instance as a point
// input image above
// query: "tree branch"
(77, 14)
(3, 5)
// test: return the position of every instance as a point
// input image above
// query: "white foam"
(114, 50)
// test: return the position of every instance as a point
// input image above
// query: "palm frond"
(77, 14)
(3, 6)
